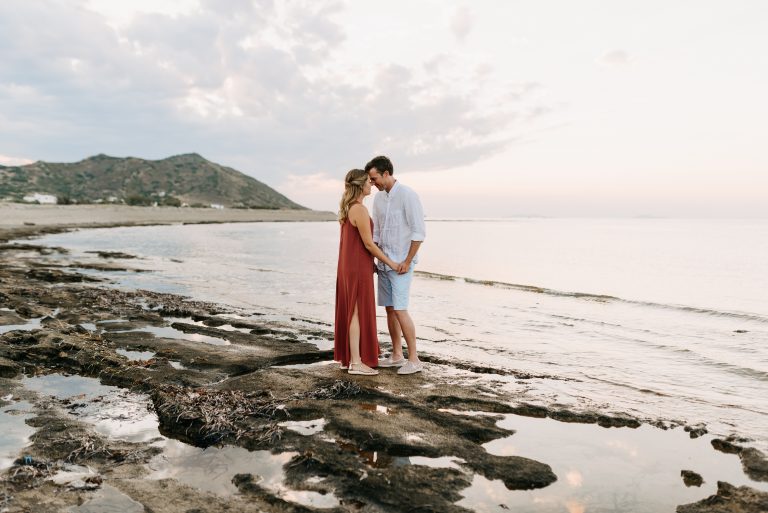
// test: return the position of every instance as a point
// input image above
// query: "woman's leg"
(354, 338)
(354, 343)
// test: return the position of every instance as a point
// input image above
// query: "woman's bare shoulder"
(358, 209)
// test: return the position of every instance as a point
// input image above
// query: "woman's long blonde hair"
(353, 189)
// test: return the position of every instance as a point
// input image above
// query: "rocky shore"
(228, 380)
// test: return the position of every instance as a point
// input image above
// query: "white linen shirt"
(398, 219)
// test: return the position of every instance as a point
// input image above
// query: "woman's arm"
(358, 216)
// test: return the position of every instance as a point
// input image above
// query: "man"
(398, 229)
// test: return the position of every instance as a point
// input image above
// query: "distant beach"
(19, 214)
(248, 413)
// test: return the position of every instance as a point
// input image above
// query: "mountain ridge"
(187, 178)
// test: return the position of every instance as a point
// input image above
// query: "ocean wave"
(604, 298)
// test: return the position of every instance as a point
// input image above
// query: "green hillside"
(181, 179)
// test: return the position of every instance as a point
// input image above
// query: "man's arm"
(414, 215)
(406, 264)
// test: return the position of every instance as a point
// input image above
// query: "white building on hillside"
(43, 199)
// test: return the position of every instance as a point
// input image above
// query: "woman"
(356, 344)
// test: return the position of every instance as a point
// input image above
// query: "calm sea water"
(662, 319)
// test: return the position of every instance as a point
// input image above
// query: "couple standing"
(393, 236)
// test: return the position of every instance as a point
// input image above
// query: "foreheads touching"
(380, 171)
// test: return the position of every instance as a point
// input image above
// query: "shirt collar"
(393, 189)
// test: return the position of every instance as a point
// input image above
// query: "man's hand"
(403, 267)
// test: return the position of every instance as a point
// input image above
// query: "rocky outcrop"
(729, 499)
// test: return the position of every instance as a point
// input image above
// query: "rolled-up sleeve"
(414, 214)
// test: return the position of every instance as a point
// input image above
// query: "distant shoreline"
(17, 215)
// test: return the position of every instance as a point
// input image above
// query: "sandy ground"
(17, 214)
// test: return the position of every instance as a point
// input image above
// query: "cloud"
(5, 160)
(258, 86)
(614, 58)
(316, 190)
(461, 22)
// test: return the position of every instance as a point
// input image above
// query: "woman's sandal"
(362, 370)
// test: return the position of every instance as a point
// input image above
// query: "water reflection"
(108, 499)
(305, 427)
(33, 324)
(15, 431)
(598, 469)
(169, 332)
(114, 412)
(212, 470)
(136, 355)
(378, 408)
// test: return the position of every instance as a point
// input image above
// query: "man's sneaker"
(389, 362)
(410, 367)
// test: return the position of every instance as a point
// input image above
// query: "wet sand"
(246, 414)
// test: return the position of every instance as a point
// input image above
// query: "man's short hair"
(381, 163)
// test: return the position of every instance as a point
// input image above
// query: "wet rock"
(468, 404)
(530, 410)
(31, 311)
(517, 473)
(10, 318)
(729, 499)
(725, 446)
(402, 488)
(55, 276)
(593, 418)
(112, 254)
(248, 484)
(43, 250)
(8, 369)
(696, 431)
(755, 464)
(691, 478)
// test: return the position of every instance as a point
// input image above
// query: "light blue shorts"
(394, 289)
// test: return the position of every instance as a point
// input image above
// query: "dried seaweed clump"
(218, 414)
(29, 473)
(339, 389)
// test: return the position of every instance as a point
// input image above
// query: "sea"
(662, 319)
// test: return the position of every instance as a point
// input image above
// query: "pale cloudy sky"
(488, 108)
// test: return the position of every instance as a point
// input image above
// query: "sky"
(487, 108)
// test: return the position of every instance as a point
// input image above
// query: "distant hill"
(182, 179)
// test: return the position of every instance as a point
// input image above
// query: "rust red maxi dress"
(354, 284)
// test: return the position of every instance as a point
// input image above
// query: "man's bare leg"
(409, 333)
(395, 333)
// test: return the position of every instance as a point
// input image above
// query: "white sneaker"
(389, 362)
(410, 367)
